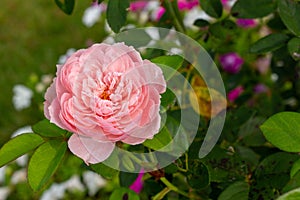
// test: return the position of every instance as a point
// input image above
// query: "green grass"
(33, 34)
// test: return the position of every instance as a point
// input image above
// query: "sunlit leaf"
(104, 170)
(124, 193)
(168, 64)
(47, 129)
(18, 146)
(159, 140)
(283, 131)
(44, 162)
(291, 195)
(295, 168)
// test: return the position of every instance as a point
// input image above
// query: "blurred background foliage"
(33, 34)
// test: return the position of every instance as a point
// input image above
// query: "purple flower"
(260, 88)
(137, 185)
(246, 23)
(235, 93)
(231, 62)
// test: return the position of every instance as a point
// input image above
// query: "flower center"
(105, 94)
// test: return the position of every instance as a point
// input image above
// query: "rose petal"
(140, 134)
(90, 150)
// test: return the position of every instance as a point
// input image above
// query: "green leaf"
(283, 131)
(294, 48)
(289, 12)
(238, 190)
(160, 140)
(104, 170)
(123, 193)
(126, 179)
(44, 162)
(198, 176)
(291, 195)
(167, 98)
(168, 64)
(201, 23)
(269, 43)
(223, 29)
(116, 14)
(295, 168)
(134, 37)
(67, 6)
(212, 7)
(18, 146)
(250, 133)
(47, 129)
(253, 9)
(274, 170)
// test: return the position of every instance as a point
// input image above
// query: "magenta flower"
(235, 93)
(137, 185)
(260, 88)
(187, 4)
(231, 62)
(159, 13)
(137, 6)
(182, 5)
(246, 23)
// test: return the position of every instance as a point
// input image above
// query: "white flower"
(40, 87)
(109, 40)
(93, 181)
(47, 78)
(62, 59)
(22, 161)
(2, 174)
(92, 14)
(55, 192)
(24, 129)
(274, 77)
(195, 13)
(4, 192)
(22, 97)
(74, 184)
(19, 176)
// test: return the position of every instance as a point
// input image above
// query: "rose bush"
(105, 94)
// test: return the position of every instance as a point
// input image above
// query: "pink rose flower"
(105, 94)
(235, 93)
(231, 62)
